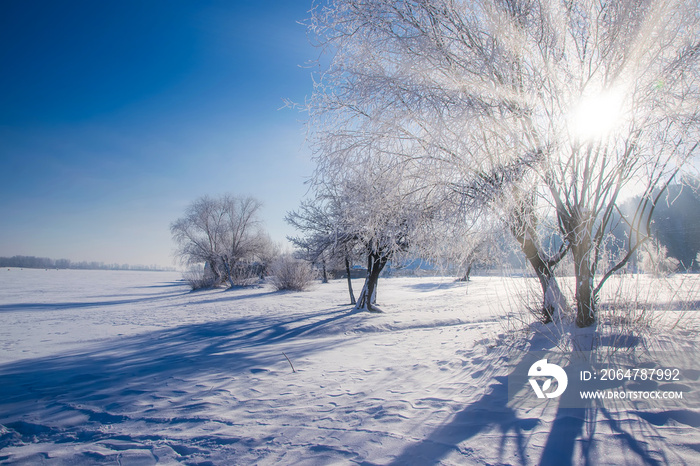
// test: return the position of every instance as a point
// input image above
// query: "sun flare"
(595, 117)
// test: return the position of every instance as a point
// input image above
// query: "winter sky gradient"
(115, 115)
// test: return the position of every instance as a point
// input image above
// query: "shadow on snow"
(436, 285)
(109, 385)
(142, 298)
(571, 431)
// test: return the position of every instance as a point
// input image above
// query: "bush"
(198, 279)
(291, 274)
(244, 274)
(655, 260)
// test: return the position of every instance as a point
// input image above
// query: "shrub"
(244, 274)
(291, 274)
(655, 260)
(198, 278)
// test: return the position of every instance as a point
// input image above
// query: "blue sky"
(115, 115)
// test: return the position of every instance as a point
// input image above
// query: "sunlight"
(595, 117)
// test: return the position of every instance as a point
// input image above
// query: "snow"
(133, 368)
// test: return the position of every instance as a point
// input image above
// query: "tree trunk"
(325, 273)
(524, 230)
(227, 267)
(553, 301)
(347, 270)
(585, 296)
(467, 272)
(214, 270)
(368, 295)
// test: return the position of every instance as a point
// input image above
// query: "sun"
(595, 117)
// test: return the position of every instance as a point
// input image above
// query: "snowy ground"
(132, 368)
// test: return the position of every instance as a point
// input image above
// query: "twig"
(290, 362)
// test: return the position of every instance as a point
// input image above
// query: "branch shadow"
(85, 304)
(674, 305)
(228, 297)
(437, 285)
(570, 433)
(111, 383)
(477, 417)
(177, 283)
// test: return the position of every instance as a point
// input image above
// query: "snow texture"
(133, 368)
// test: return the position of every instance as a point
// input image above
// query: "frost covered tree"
(377, 206)
(225, 233)
(458, 237)
(525, 105)
(324, 235)
(244, 239)
(199, 235)
(385, 220)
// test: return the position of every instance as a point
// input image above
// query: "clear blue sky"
(114, 115)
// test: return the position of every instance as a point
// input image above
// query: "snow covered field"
(131, 368)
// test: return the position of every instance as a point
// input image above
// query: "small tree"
(269, 252)
(324, 236)
(225, 233)
(244, 239)
(377, 207)
(199, 236)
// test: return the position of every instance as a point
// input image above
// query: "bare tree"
(199, 235)
(243, 237)
(525, 105)
(324, 235)
(225, 233)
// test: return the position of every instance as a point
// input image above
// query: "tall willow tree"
(520, 105)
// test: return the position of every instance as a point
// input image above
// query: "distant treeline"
(677, 224)
(31, 262)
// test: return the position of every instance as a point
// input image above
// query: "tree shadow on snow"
(228, 296)
(570, 436)
(111, 383)
(436, 285)
(86, 304)
(165, 284)
(490, 412)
